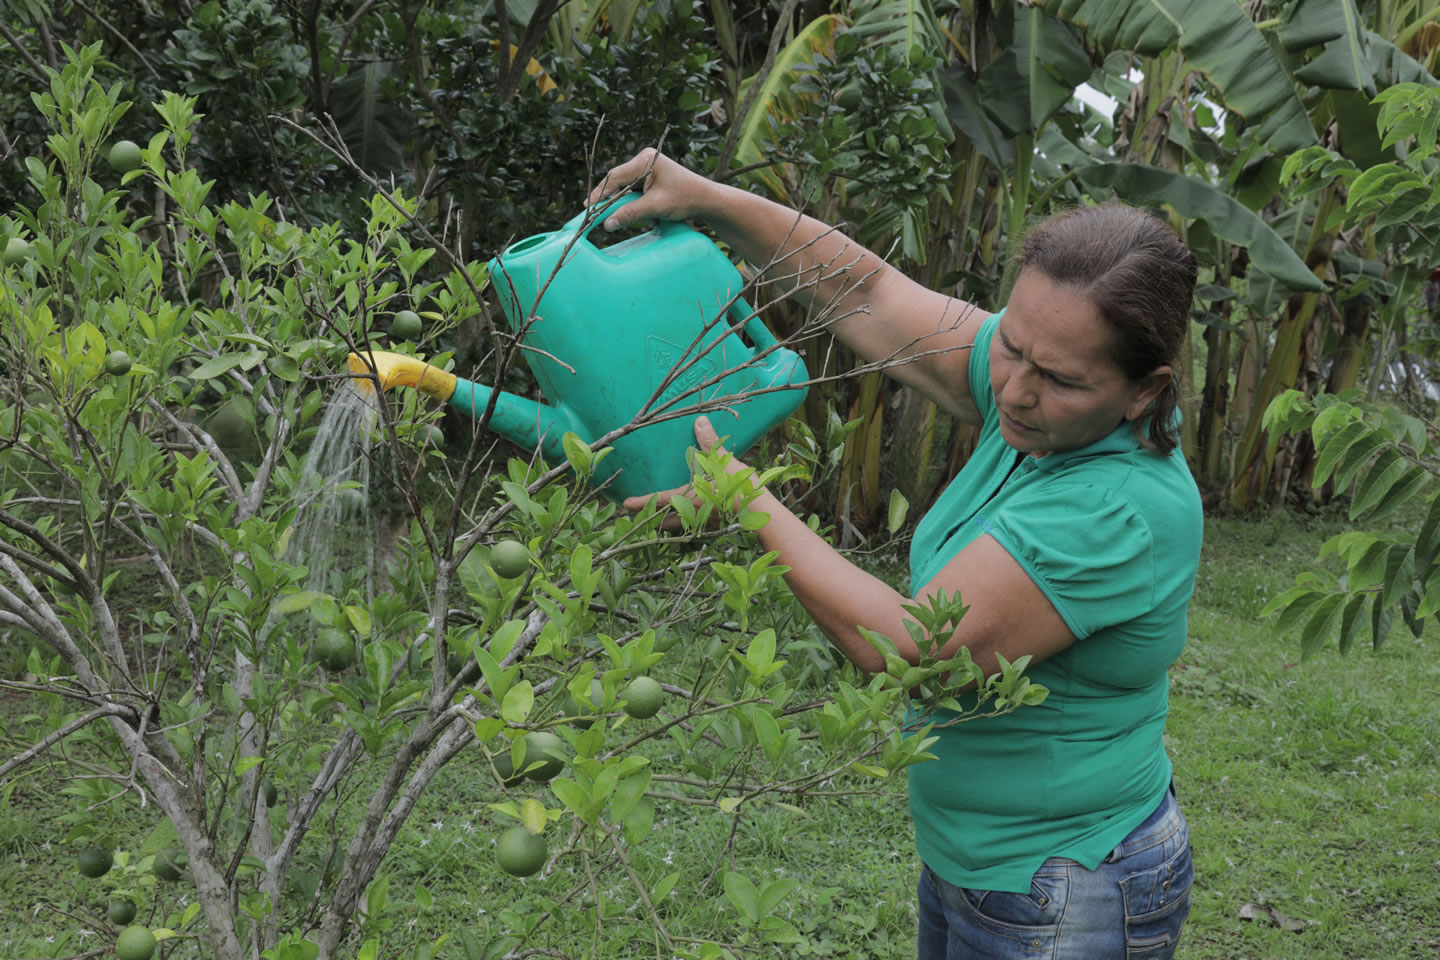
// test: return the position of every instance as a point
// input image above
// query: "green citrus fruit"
(135, 943)
(228, 426)
(272, 795)
(334, 649)
(406, 325)
(585, 713)
(353, 503)
(434, 436)
(520, 852)
(17, 251)
(510, 559)
(121, 912)
(169, 863)
(117, 363)
(538, 744)
(125, 156)
(642, 697)
(505, 766)
(94, 861)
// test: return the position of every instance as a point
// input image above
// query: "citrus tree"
(273, 612)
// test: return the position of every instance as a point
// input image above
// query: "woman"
(1073, 533)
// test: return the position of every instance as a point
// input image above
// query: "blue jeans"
(1130, 908)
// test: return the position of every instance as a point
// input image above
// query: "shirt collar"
(1120, 440)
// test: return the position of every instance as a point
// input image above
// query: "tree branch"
(109, 710)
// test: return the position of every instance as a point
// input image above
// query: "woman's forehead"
(1055, 323)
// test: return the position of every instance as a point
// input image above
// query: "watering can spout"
(523, 422)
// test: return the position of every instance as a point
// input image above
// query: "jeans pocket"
(1020, 924)
(1157, 901)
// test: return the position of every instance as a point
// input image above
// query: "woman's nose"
(1018, 391)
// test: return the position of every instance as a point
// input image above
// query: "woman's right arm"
(881, 314)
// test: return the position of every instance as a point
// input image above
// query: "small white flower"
(45, 845)
(438, 825)
(424, 841)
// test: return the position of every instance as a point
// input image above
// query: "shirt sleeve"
(1087, 549)
(979, 370)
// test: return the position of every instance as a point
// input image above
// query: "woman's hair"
(1141, 278)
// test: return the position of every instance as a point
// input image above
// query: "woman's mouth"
(1016, 424)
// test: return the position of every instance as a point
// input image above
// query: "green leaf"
(215, 366)
(359, 618)
(577, 451)
(283, 367)
(1039, 65)
(899, 506)
(1368, 569)
(532, 814)
(774, 101)
(1427, 542)
(298, 601)
(1334, 447)
(663, 888)
(1321, 623)
(1430, 601)
(1344, 62)
(1410, 483)
(1194, 199)
(742, 893)
(1297, 609)
(774, 893)
(1357, 456)
(1377, 481)
(639, 821)
(1350, 621)
(1399, 572)
(570, 793)
(245, 764)
(517, 703)
(1380, 621)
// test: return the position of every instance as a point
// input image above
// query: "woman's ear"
(1147, 391)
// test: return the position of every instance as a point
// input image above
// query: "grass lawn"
(1313, 793)
(1312, 789)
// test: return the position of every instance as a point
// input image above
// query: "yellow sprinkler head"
(398, 370)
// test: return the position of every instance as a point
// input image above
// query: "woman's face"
(1055, 385)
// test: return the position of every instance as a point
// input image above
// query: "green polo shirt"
(1111, 534)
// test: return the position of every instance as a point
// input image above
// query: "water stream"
(334, 529)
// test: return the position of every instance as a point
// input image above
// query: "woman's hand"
(671, 191)
(709, 442)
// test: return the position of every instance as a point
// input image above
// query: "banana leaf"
(776, 103)
(1040, 65)
(373, 129)
(1218, 38)
(1344, 61)
(963, 108)
(1194, 199)
(1390, 65)
(903, 24)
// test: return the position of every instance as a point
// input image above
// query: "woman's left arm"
(1008, 613)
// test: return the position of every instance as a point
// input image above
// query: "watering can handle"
(760, 335)
(600, 211)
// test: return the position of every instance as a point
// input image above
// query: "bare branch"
(45, 743)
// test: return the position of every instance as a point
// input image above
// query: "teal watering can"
(653, 323)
